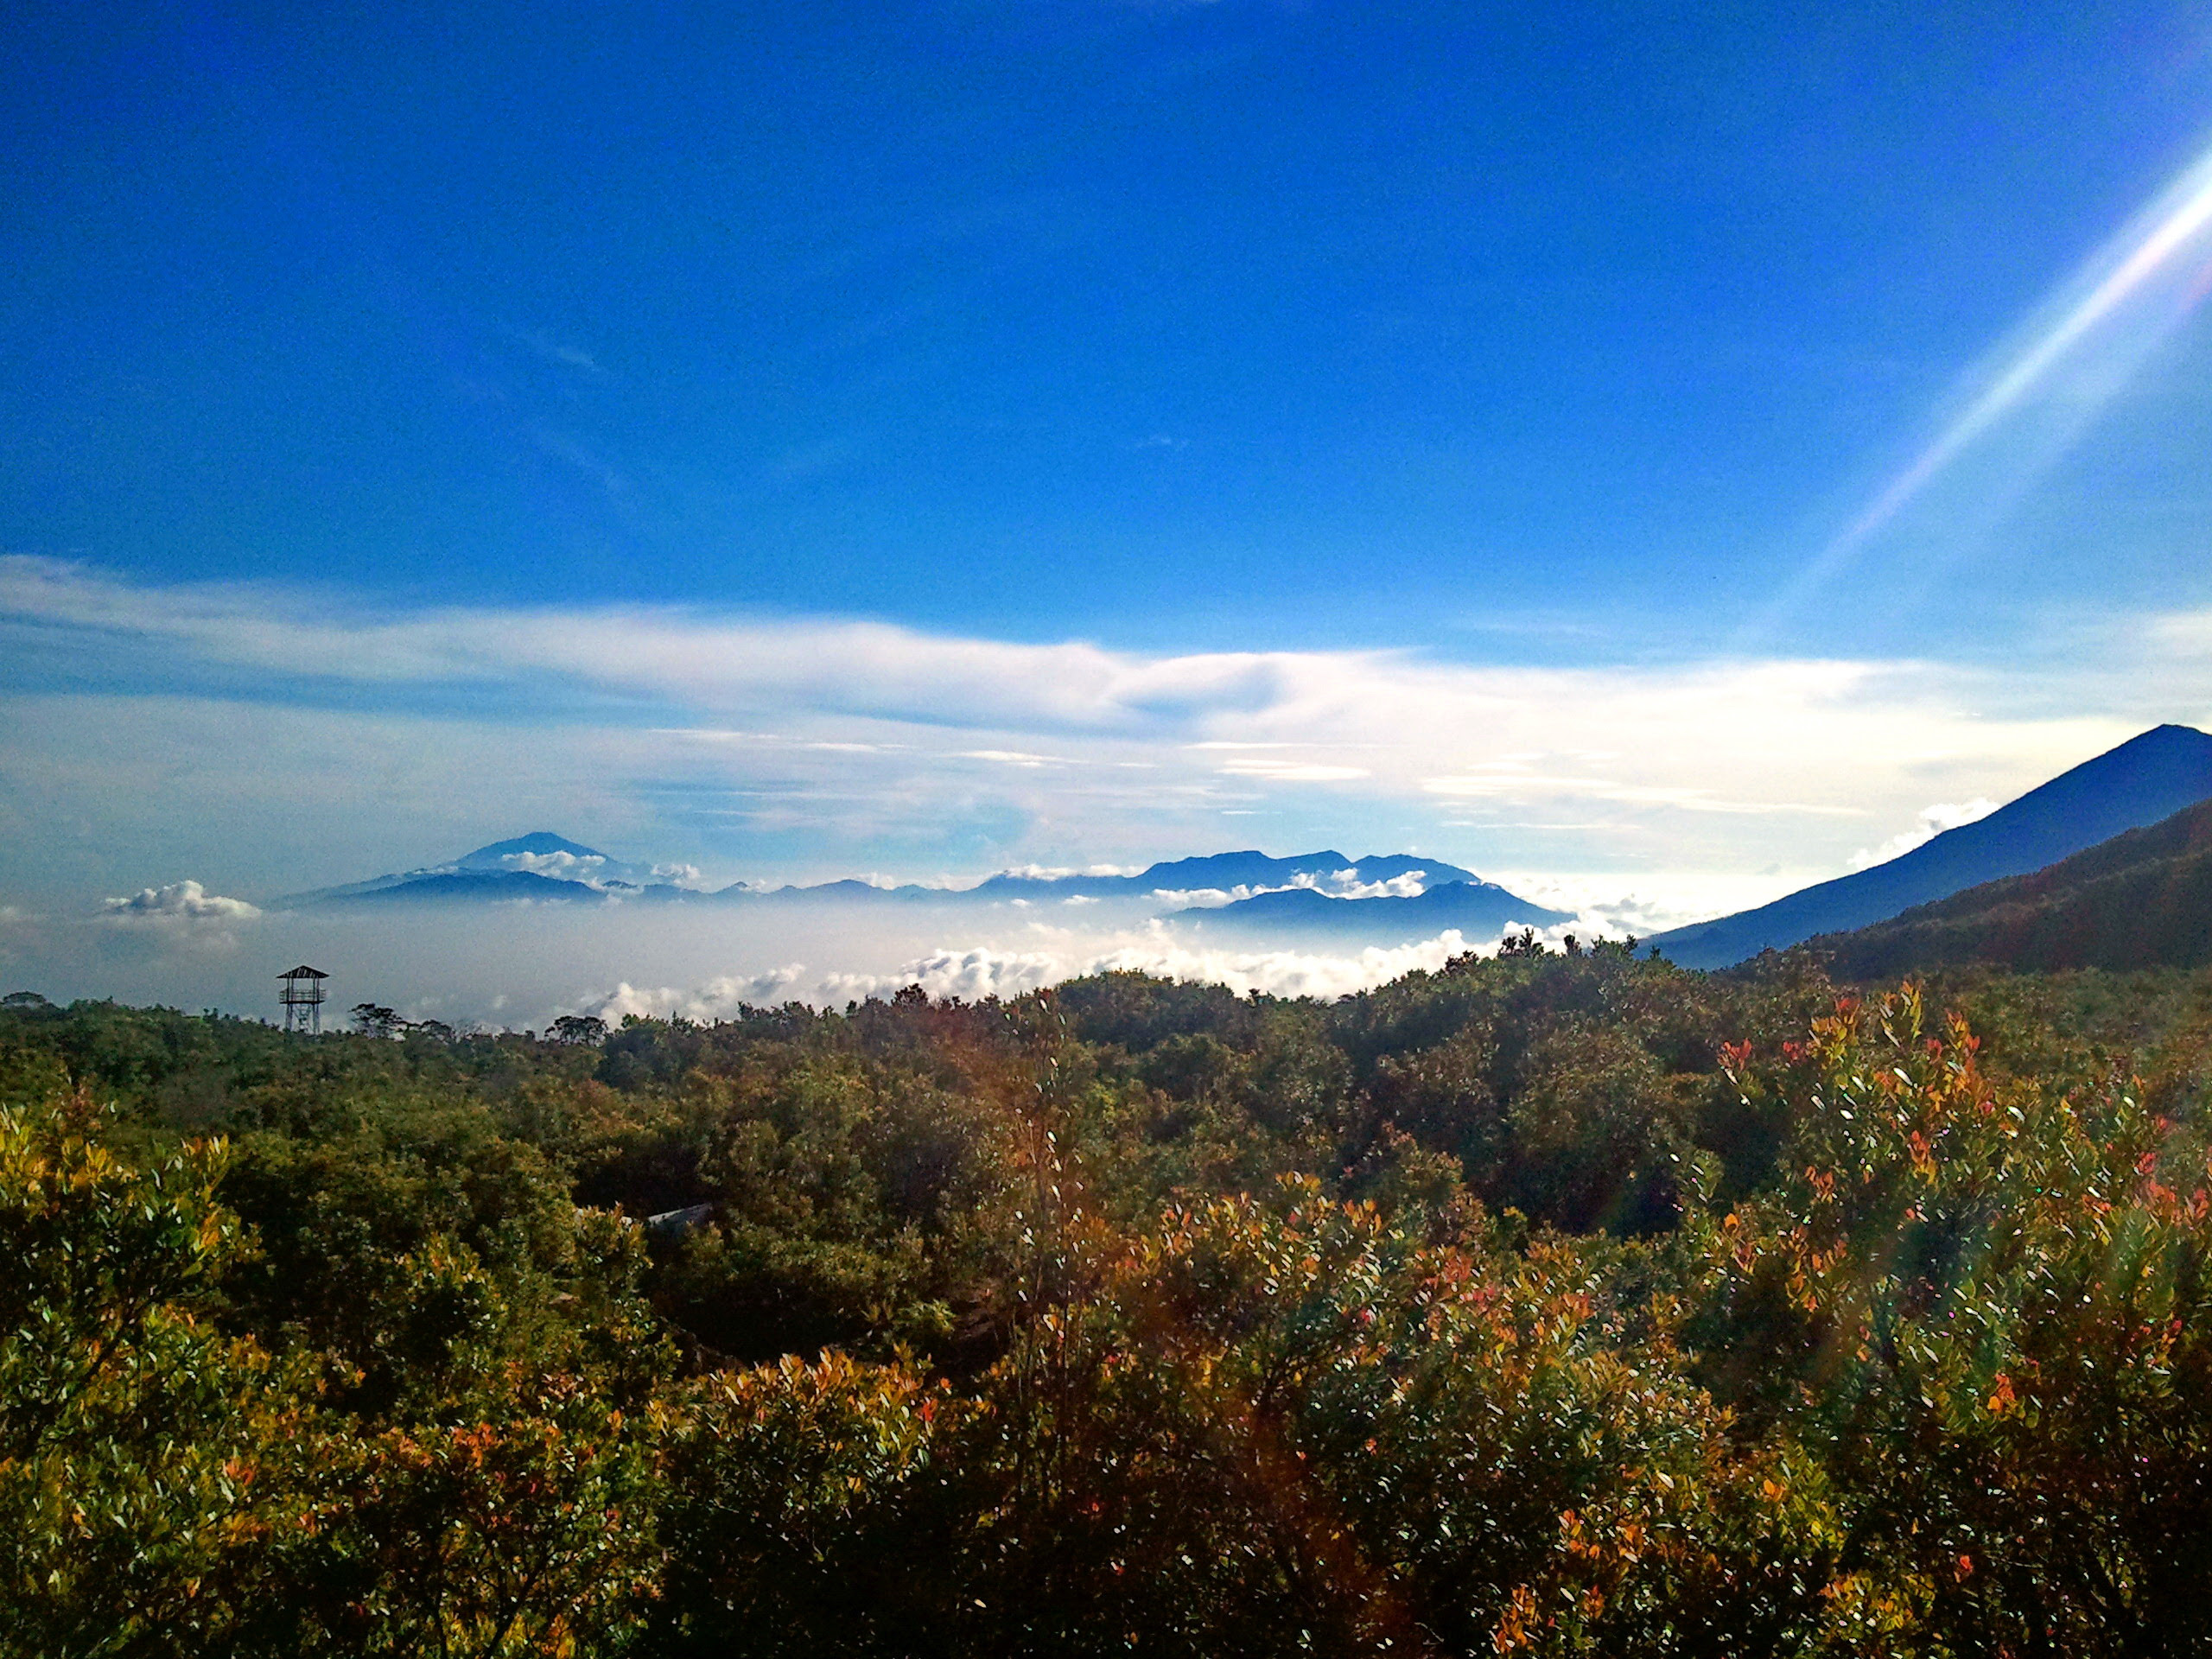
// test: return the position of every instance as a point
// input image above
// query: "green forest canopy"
(1547, 1304)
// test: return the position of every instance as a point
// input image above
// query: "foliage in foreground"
(1551, 1305)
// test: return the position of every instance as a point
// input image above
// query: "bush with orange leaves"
(798, 1512)
(135, 1472)
(1287, 1424)
(1982, 1305)
(1854, 1338)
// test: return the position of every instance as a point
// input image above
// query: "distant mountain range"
(1383, 900)
(2138, 784)
(1215, 879)
(1477, 909)
(1941, 894)
(2142, 899)
(1228, 871)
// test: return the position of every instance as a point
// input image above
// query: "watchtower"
(302, 999)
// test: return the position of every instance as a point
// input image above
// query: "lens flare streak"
(2159, 254)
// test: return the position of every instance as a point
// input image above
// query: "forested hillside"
(1549, 1304)
(2142, 899)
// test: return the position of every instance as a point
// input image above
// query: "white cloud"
(720, 998)
(680, 875)
(972, 973)
(1346, 884)
(1337, 884)
(183, 915)
(568, 867)
(1204, 898)
(1288, 973)
(980, 971)
(178, 902)
(860, 742)
(704, 662)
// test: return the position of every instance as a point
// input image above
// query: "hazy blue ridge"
(2143, 780)
(484, 874)
(1223, 871)
(847, 892)
(1219, 872)
(1476, 908)
(475, 886)
(463, 880)
(338, 894)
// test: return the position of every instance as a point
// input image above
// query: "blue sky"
(812, 438)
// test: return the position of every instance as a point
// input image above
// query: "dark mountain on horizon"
(464, 885)
(540, 864)
(545, 866)
(2146, 780)
(1479, 908)
(542, 845)
(1171, 883)
(1225, 873)
(2142, 899)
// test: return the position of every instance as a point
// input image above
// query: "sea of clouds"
(521, 965)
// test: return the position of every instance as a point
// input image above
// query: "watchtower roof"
(304, 972)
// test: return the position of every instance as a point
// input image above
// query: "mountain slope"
(2143, 780)
(542, 862)
(538, 843)
(451, 887)
(2142, 899)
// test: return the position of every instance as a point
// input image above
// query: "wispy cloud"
(554, 351)
(1293, 771)
(796, 748)
(1519, 785)
(1015, 758)
(707, 662)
